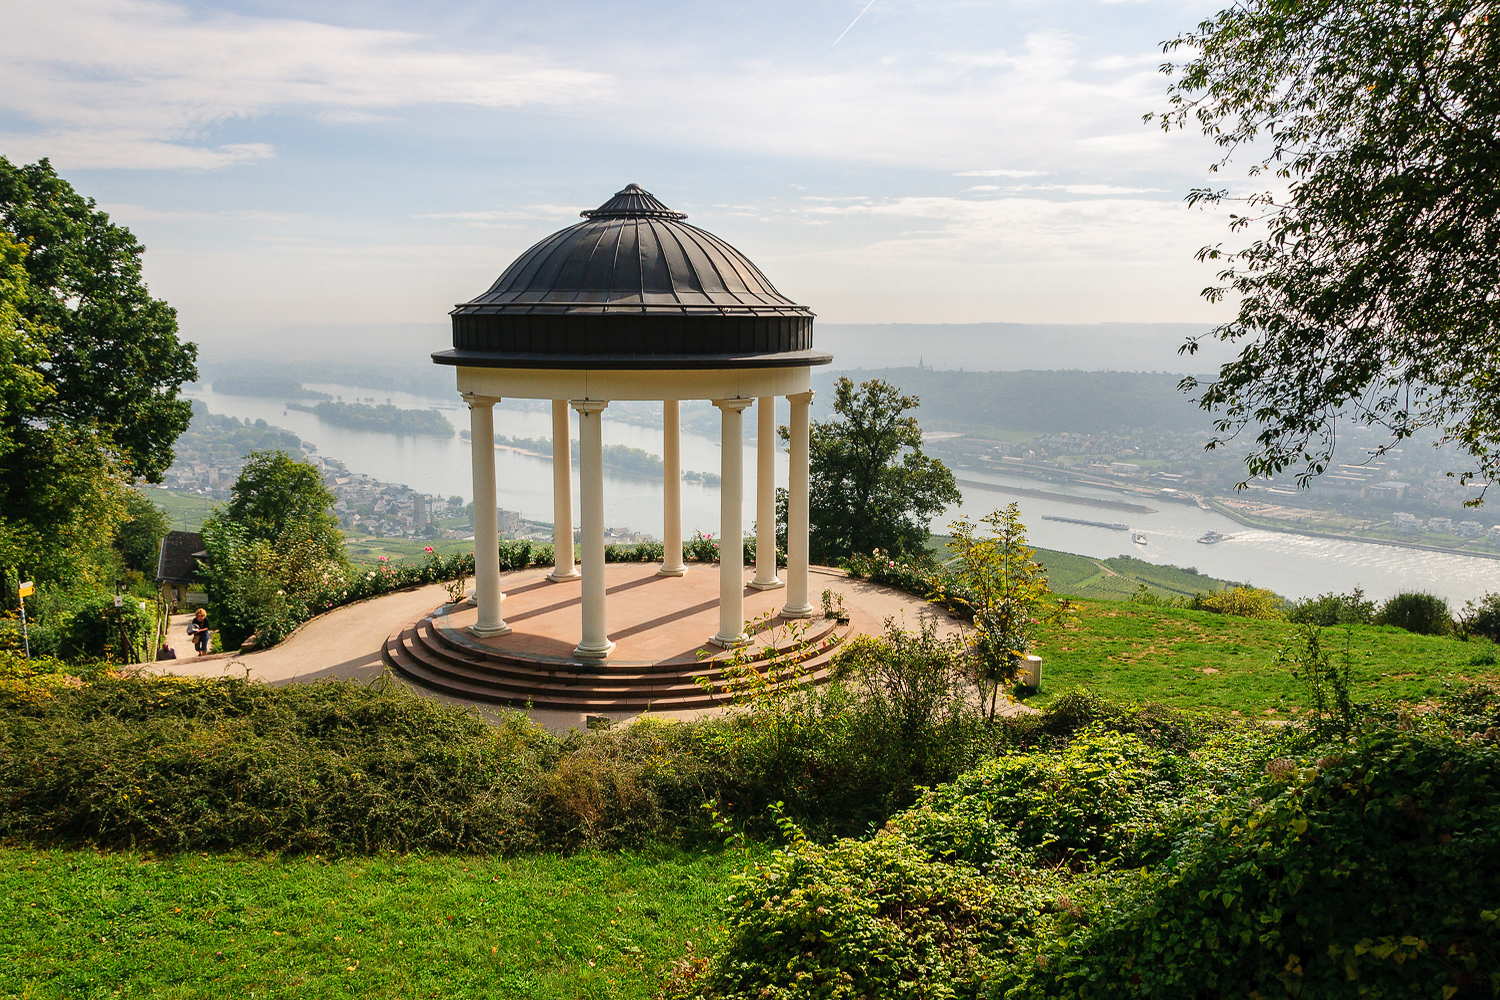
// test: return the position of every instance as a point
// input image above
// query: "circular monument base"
(664, 658)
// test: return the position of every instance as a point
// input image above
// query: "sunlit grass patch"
(84, 924)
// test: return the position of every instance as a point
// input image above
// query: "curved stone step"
(440, 659)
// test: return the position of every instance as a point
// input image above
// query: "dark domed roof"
(631, 286)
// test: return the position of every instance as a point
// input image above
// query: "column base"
(489, 631)
(772, 584)
(592, 652)
(731, 642)
(557, 577)
(806, 611)
(672, 571)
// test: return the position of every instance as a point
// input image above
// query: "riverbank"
(1130, 508)
(1268, 524)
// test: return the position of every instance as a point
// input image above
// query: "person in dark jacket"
(166, 653)
(199, 631)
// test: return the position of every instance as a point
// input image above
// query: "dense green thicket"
(176, 764)
(1424, 614)
(1243, 862)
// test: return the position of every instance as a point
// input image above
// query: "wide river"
(1290, 564)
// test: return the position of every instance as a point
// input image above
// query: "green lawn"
(1194, 659)
(368, 548)
(81, 924)
(186, 510)
(1119, 577)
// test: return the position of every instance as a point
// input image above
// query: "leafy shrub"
(1106, 795)
(960, 895)
(1333, 609)
(1482, 617)
(1365, 871)
(872, 918)
(97, 630)
(913, 680)
(701, 548)
(1369, 872)
(1241, 602)
(1425, 614)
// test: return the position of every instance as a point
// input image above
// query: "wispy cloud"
(119, 83)
(1031, 228)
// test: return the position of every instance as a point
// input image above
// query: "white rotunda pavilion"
(635, 304)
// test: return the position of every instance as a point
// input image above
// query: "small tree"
(1004, 591)
(275, 491)
(871, 486)
(138, 539)
(272, 549)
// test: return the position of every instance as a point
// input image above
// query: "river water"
(440, 466)
(1290, 564)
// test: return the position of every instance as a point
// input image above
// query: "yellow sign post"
(26, 589)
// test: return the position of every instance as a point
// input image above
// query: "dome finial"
(632, 202)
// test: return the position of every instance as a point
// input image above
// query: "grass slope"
(186, 510)
(1195, 659)
(80, 924)
(1119, 577)
(1114, 578)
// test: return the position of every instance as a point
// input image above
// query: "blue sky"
(304, 164)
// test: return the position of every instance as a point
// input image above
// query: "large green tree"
(115, 363)
(871, 485)
(1370, 285)
(60, 486)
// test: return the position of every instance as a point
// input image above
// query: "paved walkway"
(345, 643)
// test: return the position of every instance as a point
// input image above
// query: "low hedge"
(1260, 864)
(176, 763)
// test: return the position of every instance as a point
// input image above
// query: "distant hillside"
(983, 346)
(1043, 401)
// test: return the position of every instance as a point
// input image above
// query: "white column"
(562, 495)
(797, 511)
(486, 519)
(731, 523)
(765, 495)
(671, 488)
(595, 643)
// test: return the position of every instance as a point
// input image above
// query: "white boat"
(1139, 537)
(1213, 537)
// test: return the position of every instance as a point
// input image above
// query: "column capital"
(471, 400)
(802, 397)
(588, 405)
(737, 404)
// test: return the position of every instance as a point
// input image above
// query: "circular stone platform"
(662, 659)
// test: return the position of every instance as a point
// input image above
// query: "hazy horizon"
(1148, 347)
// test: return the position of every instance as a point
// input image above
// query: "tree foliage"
(274, 491)
(139, 537)
(1003, 588)
(273, 551)
(1371, 288)
(115, 362)
(60, 490)
(871, 487)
